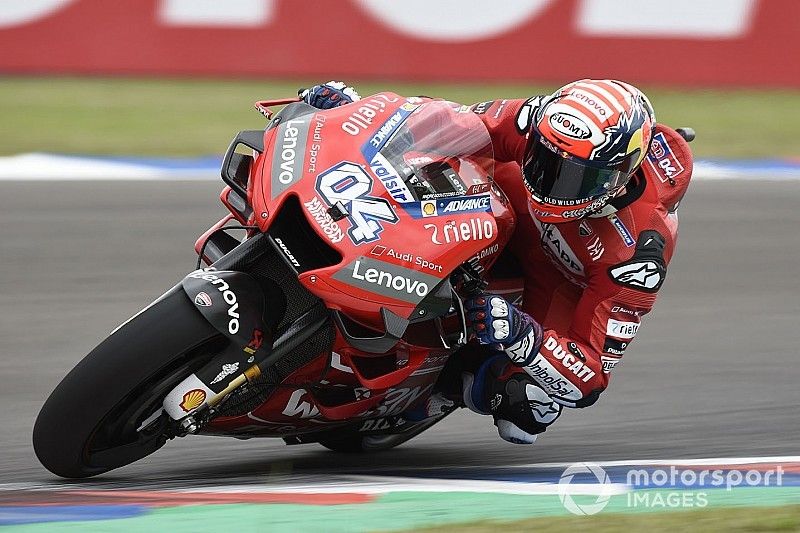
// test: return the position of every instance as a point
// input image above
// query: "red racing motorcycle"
(331, 320)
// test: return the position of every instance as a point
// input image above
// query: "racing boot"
(520, 408)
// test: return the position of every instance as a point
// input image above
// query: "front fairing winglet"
(394, 325)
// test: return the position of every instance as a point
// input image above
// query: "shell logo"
(193, 399)
(429, 209)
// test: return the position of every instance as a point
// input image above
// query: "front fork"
(234, 303)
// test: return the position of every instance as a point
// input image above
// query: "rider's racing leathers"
(587, 282)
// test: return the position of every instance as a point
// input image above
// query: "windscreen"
(441, 149)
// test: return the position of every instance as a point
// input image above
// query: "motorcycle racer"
(595, 183)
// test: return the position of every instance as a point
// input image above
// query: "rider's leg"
(520, 408)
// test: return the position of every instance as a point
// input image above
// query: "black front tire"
(89, 423)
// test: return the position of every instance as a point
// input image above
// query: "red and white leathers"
(589, 281)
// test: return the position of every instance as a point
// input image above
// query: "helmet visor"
(556, 177)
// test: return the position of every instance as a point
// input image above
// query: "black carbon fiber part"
(257, 257)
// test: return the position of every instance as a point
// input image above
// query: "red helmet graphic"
(586, 141)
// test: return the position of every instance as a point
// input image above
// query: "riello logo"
(474, 229)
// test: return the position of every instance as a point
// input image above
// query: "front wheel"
(94, 421)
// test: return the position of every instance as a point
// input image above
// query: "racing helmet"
(586, 140)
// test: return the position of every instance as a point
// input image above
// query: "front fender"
(232, 302)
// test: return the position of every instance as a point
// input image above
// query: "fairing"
(400, 188)
(397, 194)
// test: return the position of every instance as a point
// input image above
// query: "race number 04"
(349, 185)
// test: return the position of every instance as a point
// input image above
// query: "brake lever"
(473, 283)
(466, 332)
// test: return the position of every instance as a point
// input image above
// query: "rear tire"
(89, 423)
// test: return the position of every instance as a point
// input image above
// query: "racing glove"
(329, 95)
(496, 322)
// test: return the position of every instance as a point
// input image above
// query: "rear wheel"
(94, 421)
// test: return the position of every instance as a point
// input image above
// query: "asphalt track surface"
(714, 371)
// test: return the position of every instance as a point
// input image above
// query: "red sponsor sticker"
(479, 188)
(661, 159)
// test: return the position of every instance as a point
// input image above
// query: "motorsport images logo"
(588, 481)
(586, 488)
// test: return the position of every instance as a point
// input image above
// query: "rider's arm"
(508, 122)
(574, 362)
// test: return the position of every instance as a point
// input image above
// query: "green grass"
(199, 117)
(737, 519)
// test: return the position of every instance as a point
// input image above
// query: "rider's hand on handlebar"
(495, 321)
(329, 95)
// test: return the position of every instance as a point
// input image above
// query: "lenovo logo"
(387, 279)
